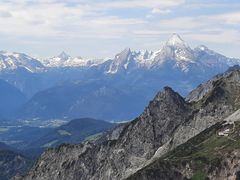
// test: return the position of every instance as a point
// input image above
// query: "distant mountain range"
(175, 52)
(111, 89)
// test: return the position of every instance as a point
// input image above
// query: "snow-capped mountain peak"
(175, 51)
(122, 56)
(63, 56)
(65, 60)
(202, 48)
(121, 61)
(176, 40)
(175, 54)
(13, 60)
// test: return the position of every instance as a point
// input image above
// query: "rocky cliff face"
(167, 122)
(12, 163)
(212, 102)
(213, 154)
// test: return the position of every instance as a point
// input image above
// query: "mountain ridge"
(135, 75)
(212, 154)
(131, 79)
(167, 122)
(175, 42)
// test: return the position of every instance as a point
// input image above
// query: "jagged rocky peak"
(167, 122)
(169, 90)
(176, 40)
(175, 49)
(63, 56)
(137, 143)
(124, 54)
(175, 54)
(167, 100)
(233, 68)
(216, 149)
(121, 61)
(167, 94)
(148, 55)
(227, 84)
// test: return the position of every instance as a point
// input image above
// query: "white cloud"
(71, 18)
(5, 14)
(229, 18)
(162, 4)
(160, 11)
(58, 19)
(224, 37)
(81, 20)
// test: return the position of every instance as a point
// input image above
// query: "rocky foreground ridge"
(213, 154)
(167, 122)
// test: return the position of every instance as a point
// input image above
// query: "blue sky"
(102, 28)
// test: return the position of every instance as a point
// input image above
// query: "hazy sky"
(102, 28)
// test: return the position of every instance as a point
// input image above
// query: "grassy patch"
(3, 129)
(64, 133)
(93, 137)
(206, 149)
(199, 175)
(203, 153)
(207, 145)
(12, 142)
(50, 144)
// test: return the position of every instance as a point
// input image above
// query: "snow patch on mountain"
(13, 61)
(176, 41)
(175, 53)
(65, 60)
